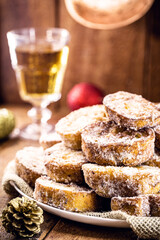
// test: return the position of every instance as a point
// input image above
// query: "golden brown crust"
(71, 126)
(138, 206)
(109, 181)
(131, 110)
(64, 164)
(66, 197)
(109, 144)
(30, 164)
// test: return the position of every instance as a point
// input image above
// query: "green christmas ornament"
(22, 217)
(7, 122)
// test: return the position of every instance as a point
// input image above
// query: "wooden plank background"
(123, 59)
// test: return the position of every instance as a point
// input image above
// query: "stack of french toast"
(109, 151)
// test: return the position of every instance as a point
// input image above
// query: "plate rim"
(77, 217)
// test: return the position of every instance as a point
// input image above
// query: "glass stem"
(39, 116)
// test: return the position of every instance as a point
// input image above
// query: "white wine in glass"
(39, 58)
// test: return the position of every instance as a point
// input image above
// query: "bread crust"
(64, 164)
(64, 196)
(30, 164)
(131, 110)
(109, 144)
(70, 127)
(110, 181)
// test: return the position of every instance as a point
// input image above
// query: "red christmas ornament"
(84, 94)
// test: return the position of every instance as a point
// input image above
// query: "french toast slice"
(68, 197)
(64, 164)
(30, 164)
(138, 206)
(50, 139)
(70, 127)
(131, 110)
(109, 144)
(142, 206)
(111, 181)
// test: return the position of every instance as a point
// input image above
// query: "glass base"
(35, 131)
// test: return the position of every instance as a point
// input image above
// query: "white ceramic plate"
(78, 217)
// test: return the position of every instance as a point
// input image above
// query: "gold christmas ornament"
(7, 122)
(22, 217)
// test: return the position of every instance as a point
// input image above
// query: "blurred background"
(127, 58)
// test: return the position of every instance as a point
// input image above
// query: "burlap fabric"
(144, 227)
(11, 175)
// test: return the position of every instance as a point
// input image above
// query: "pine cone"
(22, 217)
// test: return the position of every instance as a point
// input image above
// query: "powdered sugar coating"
(60, 154)
(71, 126)
(143, 205)
(155, 161)
(64, 164)
(157, 129)
(157, 105)
(32, 158)
(30, 164)
(138, 206)
(78, 119)
(109, 144)
(47, 182)
(131, 110)
(50, 139)
(68, 197)
(109, 181)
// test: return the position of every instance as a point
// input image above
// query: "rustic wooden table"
(53, 227)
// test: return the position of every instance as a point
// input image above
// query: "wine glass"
(107, 14)
(39, 58)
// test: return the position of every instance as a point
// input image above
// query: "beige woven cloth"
(144, 227)
(11, 175)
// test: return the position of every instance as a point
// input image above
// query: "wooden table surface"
(53, 227)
